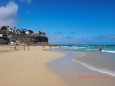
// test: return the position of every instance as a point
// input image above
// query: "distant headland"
(21, 36)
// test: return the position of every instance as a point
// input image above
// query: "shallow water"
(71, 70)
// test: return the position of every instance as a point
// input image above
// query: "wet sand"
(105, 61)
(28, 68)
(76, 74)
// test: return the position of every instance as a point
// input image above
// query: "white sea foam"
(74, 47)
(64, 46)
(91, 49)
(108, 72)
(109, 51)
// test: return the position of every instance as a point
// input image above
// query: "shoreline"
(76, 74)
(83, 61)
(89, 66)
(111, 73)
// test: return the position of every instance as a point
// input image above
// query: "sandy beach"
(40, 67)
(57, 42)
(28, 68)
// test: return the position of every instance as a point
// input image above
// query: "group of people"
(24, 47)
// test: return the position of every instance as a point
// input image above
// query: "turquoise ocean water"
(90, 48)
(104, 63)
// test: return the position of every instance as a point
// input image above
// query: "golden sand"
(28, 68)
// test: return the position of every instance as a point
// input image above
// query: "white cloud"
(8, 14)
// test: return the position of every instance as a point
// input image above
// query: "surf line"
(111, 73)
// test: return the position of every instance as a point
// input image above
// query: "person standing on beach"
(101, 48)
(28, 47)
(15, 46)
(24, 47)
(50, 46)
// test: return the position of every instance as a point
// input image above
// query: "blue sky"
(68, 21)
